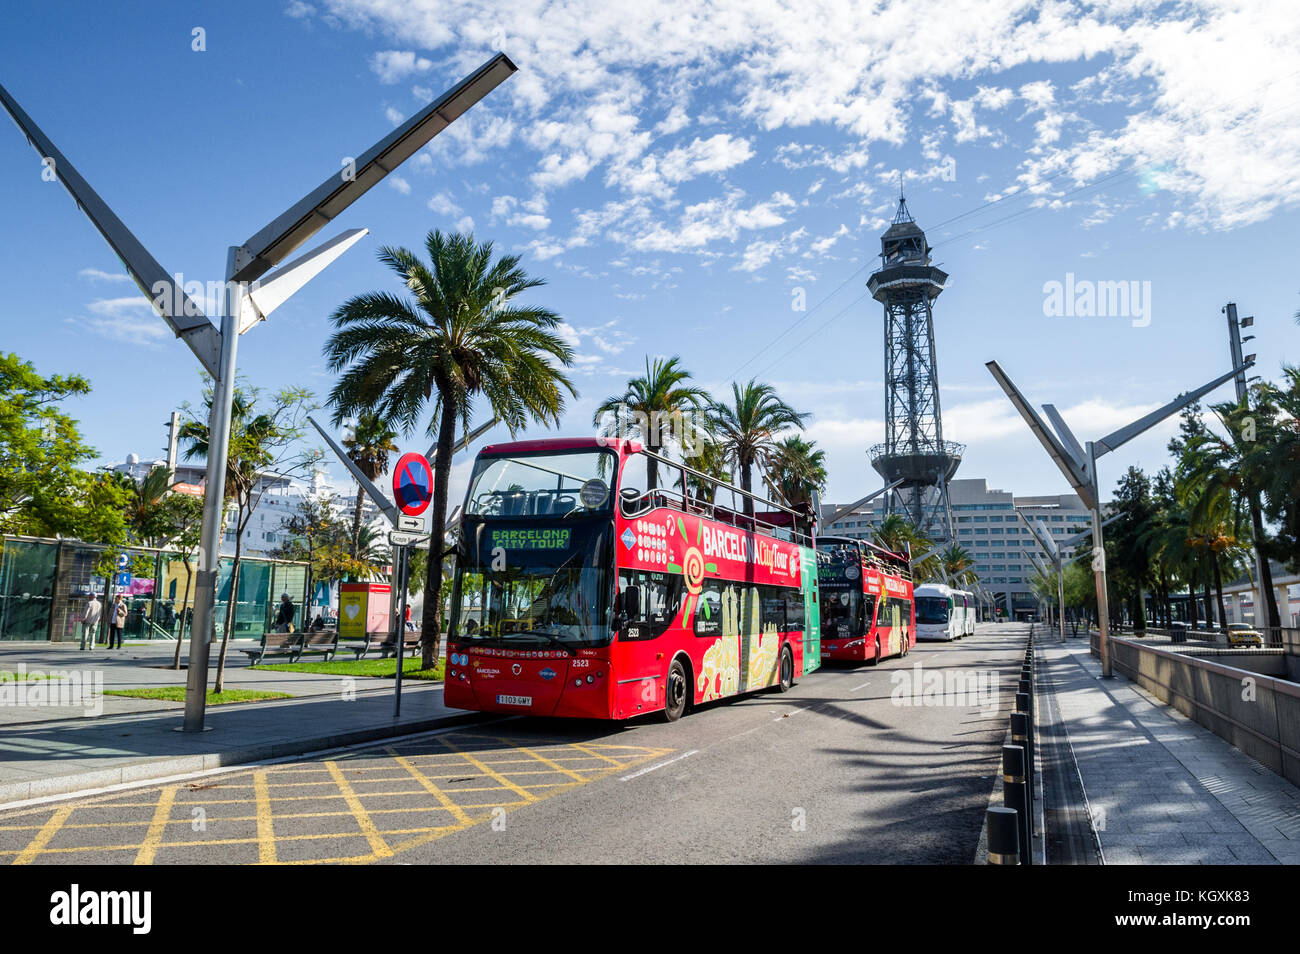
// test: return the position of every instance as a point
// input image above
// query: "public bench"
(321, 642)
(276, 644)
(384, 643)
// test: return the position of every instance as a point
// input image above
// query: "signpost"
(412, 489)
(413, 492)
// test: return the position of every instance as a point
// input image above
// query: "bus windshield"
(839, 612)
(932, 609)
(556, 484)
(522, 586)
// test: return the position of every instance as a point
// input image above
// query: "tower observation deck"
(914, 450)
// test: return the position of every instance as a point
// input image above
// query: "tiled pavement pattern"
(363, 806)
(1161, 788)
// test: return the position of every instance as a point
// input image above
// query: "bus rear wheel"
(675, 692)
(786, 682)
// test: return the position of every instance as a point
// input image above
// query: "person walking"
(117, 622)
(90, 620)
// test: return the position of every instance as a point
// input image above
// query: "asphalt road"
(834, 771)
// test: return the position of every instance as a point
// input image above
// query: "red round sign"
(412, 484)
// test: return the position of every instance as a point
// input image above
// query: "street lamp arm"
(181, 313)
(1072, 469)
(277, 240)
(1122, 436)
(388, 508)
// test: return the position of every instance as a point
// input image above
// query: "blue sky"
(677, 172)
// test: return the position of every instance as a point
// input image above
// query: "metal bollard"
(1023, 706)
(1022, 734)
(1004, 836)
(1014, 795)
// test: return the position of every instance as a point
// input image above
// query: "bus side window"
(708, 617)
(794, 612)
(647, 603)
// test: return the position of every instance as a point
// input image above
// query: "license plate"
(514, 700)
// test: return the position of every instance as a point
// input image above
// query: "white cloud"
(400, 184)
(96, 274)
(392, 66)
(591, 69)
(442, 204)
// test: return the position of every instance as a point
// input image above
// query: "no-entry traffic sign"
(412, 484)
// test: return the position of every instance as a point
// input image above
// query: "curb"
(166, 767)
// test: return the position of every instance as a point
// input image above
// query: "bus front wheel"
(675, 692)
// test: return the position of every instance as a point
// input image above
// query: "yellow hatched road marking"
(486, 770)
(364, 821)
(545, 761)
(265, 825)
(48, 831)
(596, 755)
(430, 787)
(157, 827)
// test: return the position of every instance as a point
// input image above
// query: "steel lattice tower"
(914, 449)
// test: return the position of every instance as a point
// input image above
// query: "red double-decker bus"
(595, 579)
(867, 609)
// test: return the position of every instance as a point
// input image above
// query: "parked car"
(1240, 634)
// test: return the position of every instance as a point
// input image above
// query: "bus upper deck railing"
(635, 503)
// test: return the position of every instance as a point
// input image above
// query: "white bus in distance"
(943, 613)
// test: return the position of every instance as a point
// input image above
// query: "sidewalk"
(44, 751)
(1162, 789)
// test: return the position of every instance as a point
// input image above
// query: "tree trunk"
(231, 603)
(356, 523)
(746, 484)
(1193, 615)
(185, 603)
(1218, 592)
(1209, 606)
(1265, 571)
(431, 624)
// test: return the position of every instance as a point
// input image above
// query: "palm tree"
(897, 534)
(372, 553)
(956, 562)
(648, 406)
(456, 337)
(797, 473)
(710, 459)
(748, 429)
(144, 508)
(1237, 465)
(369, 447)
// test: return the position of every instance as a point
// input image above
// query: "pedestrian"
(90, 620)
(284, 618)
(117, 622)
(410, 627)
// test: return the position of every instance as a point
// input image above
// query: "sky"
(684, 175)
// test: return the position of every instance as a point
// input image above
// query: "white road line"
(863, 686)
(651, 768)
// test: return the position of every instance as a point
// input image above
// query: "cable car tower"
(914, 450)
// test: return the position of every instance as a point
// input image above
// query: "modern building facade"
(987, 525)
(281, 496)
